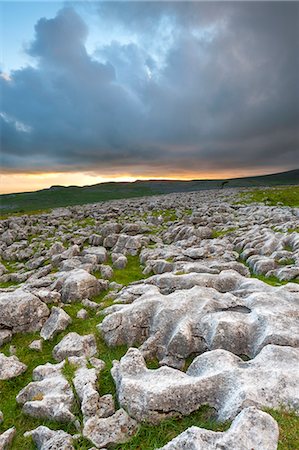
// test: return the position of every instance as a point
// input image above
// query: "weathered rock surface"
(5, 336)
(10, 367)
(217, 378)
(251, 429)
(22, 311)
(116, 429)
(47, 439)
(58, 321)
(6, 438)
(50, 396)
(220, 311)
(78, 285)
(75, 345)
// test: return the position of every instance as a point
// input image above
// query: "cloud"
(201, 87)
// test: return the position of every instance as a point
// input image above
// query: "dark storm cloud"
(203, 86)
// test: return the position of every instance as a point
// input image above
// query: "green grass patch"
(288, 423)
(7, 284)
(287, 196)
(132, 272)
(221, 233)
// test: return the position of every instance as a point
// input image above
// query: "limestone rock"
(116, 429)
(5, 336)
(251, 429)
(82, 314)
(22, 311)
(99, 252)
(6, 438)
(10, 367)
(50, 397)
(217, 378)
(58, 321)
(78, 285)
(220, 311)
(36, 345)
(47, 439)
(75, 345)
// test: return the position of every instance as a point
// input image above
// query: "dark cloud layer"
(202, 87)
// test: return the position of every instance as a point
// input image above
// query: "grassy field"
(58, 196)
(285, 196)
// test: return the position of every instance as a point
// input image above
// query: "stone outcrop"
(251, 429)
(217, 378)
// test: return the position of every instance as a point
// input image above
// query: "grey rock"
(75, 345)
(82, 314)
(51, 397)
(78, 285)
(10, 367)
(5, 336)
(47, 439)
(22, 311)
(100, 253)
(251, 429)
(116, 429)
(6, 438)
(120, 262)
(58, 321)
(217, 378)
(36, 345)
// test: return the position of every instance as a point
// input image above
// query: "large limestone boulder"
(190, 321)
(251, 429)
(78, 285)
(217, 378)
(75, 345)
(10, 367)
(22, 311)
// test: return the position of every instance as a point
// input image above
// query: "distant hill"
(57, 196)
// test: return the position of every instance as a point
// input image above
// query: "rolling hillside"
(57, 196)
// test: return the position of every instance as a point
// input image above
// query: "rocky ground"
(162, 322)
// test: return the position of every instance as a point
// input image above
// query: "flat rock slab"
(251, 430)
(10, 367)
(217, 378)
(73, 344)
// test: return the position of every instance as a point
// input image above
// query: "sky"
(99, 91)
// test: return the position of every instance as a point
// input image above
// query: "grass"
(221, 233)
(288, 423)
(167, 214)
(286, 196)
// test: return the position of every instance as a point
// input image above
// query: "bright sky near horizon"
(99, 91)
